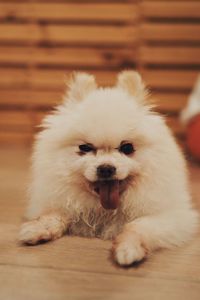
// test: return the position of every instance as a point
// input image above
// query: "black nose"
(105, 171)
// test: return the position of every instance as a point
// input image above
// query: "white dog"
(106, 166)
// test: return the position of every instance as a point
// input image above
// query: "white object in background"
(193, 105)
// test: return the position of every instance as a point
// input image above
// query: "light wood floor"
(80, 268)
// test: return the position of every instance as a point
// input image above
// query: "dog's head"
(104, 137)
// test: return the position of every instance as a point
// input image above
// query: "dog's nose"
(105, 171)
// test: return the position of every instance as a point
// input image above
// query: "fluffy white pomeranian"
(107, 166)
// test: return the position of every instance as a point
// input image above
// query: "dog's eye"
(86, 148)
(126, 148)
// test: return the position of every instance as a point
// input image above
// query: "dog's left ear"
(79, 85)
(131, 81)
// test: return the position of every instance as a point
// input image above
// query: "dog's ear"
(131, 81)
(79, 85)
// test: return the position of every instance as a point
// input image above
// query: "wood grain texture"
(174, 56)
(81, 268)
(67, 56)
(170, 79)
(45, 78)
(168, 32)
(16, 119)
(65, 34)
(55, 78)
(169, 102)
(27, 97)
(171, 9)
(15, 137)
(41, 42)
(105, 12)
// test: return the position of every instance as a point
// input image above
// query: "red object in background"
(193, 136)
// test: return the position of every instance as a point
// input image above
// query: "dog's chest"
(105, 226)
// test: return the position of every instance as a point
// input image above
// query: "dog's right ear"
(79, 85)
(132, 82)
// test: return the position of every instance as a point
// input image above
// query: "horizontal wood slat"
(90, 57)
(14, 137)
(15, 119)
(12, 78)
(170, 32)
(75, 1)
(106, 12)
(170, 79)
(170, 55)
(54, 79)
(29, 97)
(15, 127)
(169, 102)
(171, 9)
(66, 34)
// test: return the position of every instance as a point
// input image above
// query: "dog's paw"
(41, 230)
(128, 248)
(33, 232)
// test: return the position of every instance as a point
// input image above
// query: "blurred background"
(43, 41)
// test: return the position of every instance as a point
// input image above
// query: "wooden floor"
(80, 268)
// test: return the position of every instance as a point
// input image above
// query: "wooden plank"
(14, 138)
(17, 119)
(170, 32)
(29, 98)
(104, 12)
(49, 283)
(171, 9)
(14, 78)
(68, 34)
(55, 79)
(169, 55)
(45, 78)
(91, 34)
(69, 56)
(170, 102)
(21, 33)
(75, 1)
(170, 79)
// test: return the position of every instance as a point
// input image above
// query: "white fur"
(156, 207)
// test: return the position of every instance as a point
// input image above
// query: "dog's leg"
(145, 234)
(49, 226)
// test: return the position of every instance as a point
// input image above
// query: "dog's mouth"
(110, 191)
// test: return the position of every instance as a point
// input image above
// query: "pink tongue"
(109, 194)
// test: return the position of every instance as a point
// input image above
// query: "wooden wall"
(42, 41)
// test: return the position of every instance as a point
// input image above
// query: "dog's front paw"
(128, 248)
(44, 229)
(32, 233)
